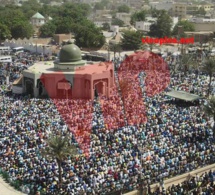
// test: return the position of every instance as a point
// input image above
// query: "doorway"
(29, 88)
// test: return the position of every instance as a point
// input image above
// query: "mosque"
(68, 76)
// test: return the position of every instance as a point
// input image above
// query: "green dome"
(70, 53)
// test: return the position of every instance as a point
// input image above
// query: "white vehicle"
(5, 49)
(18, 50)
(5, 59)
(212, 52)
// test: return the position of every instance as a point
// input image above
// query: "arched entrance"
(100, 88)
(29, 87)
(62, 89)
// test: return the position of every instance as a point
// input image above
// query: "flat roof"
(48, 67)
(182, 95)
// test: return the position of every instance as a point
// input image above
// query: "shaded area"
(182, 95)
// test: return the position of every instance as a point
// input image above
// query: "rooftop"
(182, 95)
(38, 16)
(48, 67)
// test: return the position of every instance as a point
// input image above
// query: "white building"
(174, 21)
(202, 20)
(38, 19)
(125, 17)
(144, 26)
(167, 5)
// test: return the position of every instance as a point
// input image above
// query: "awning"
(182, 95)
(18, 81)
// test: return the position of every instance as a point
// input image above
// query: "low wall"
(178, 179)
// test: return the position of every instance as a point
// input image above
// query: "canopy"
(182, 95)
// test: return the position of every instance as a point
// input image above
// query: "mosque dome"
(70, 53)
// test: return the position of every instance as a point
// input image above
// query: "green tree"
(115, 48)
(4, 32)
(138, 16)
(59, 148)
(154, 12)
(116, 21)
(106, 26)
(22, 30)
(30, 7)
(88, 37)
(131, 40)
(186, 61)
(16, 22)
(162, 27)
(201, 11)
(209, 110)
(123, 8)
(48, 29)
(186, 25)
(209, 68)
(101, 5)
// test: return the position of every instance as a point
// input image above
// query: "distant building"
(143, 26)
(60, 38)
(167, 5)
(203, 24)
(138, 4)
(38, 19)
(183, 9)
(179, 10)
(125, 17)
(99, 21)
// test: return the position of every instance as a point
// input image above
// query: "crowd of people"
(113, 153)
(196, 185)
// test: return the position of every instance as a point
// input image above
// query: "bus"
(5, 59)
(18, 50)
(4, 50)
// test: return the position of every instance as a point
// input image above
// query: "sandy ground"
(6, 189)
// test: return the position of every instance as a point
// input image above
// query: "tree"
(88, 37)
(162, 27)
(118, 22)
(22, 30)
(138, 16)
(48, 29)
(209, 110)
(186, 61)
(106, 26)
(201, 11)
(4, 32)
(123, 9)
(155, 12)
(59, 148)
(101, 5)
(30, 7)
(186, 25)
(115, 48)
(209, 68)
(16, 22)
(131, 40)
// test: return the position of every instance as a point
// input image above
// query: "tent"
(182, 95)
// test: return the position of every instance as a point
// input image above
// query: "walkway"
(6, 189)
(178, 179)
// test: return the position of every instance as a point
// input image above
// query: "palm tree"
(186, 61)
(209, 68)
(59, 147)
(115, 48)
(209, 110)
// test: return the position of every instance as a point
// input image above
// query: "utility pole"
(0, 36)
(180, 32)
